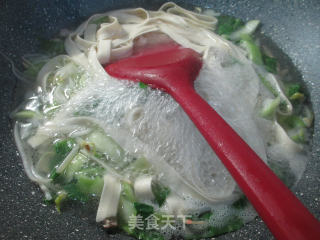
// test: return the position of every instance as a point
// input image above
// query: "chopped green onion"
(247, 29)
(107, 145)
(268, 85)
(253, 50)
(270, 108)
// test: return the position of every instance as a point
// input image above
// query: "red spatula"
(174, 69)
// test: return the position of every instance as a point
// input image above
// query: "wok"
(290, 28)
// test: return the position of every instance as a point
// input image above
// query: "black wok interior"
(290, 28)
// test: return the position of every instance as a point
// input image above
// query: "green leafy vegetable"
(295, 127)
(228, 24)
(126, 207)
(89, 185)
(292, 89)
(127, 191)
(108, 146)
(74, 193)
(75, 165)
(63, 147)
(144, 210)
(252, 49)
(289, 122)
(160, 192)
(54, 175)
(142, 85)
(268, 85)
(270, 63)
(269, 110)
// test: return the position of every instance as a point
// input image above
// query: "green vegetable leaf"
(268, 85)
(74, 193)
(127, 191)
(253, 50)
(144, 210)
(142, 85)
(125, 211)
(290, 122)
(63, 147)
(89, 185)
(269, 110)
(270, 63)
(160, 192)
(228, 24)
(292, 89)
(54, 175)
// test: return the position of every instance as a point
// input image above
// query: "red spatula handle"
(283, 213)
